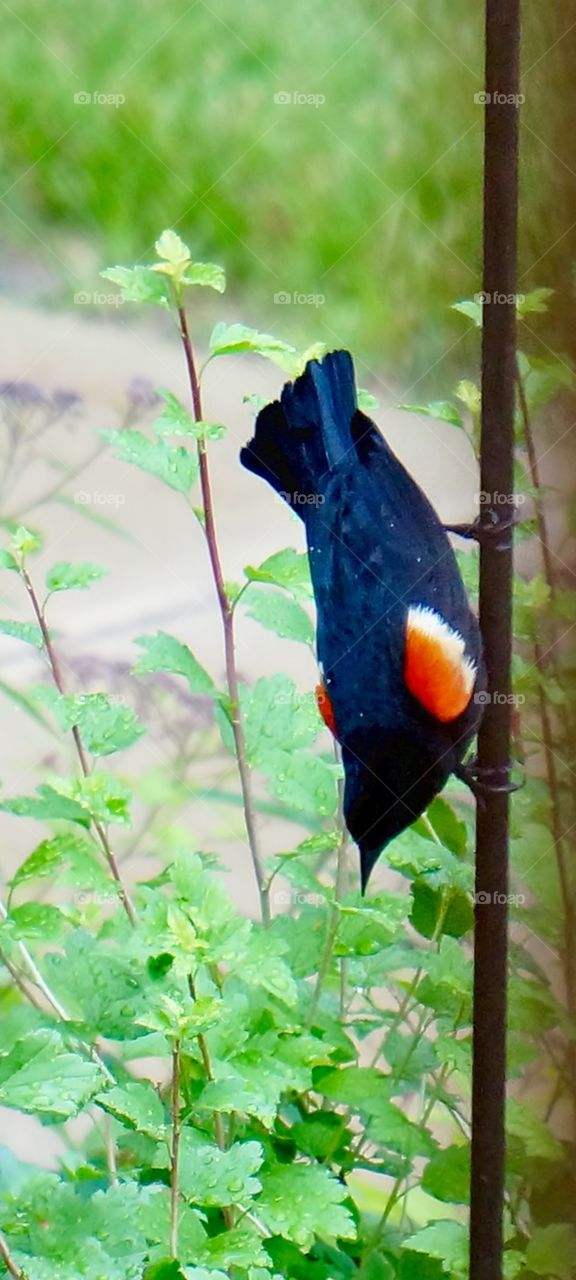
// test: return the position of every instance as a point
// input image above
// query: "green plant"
(282, 1098)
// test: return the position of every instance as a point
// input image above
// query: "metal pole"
(497, 446)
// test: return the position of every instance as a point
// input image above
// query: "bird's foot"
(486, 779)
(491, 529)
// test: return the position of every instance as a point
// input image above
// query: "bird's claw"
(484, 780)
(491, 529)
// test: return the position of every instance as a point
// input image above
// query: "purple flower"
(22, 393)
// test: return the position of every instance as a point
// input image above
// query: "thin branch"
(227, 614)
(8, 1260)
(219, 1134)
(334, 917)
(175, 1149)
(58, 681)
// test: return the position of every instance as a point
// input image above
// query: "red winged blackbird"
(398, 645)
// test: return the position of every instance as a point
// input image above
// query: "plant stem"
(34, 975)
(175, 1149)
(227, 615)
(8, 1260)
(334, 917)
(569, 922)
(58, 681)
(219, 1134)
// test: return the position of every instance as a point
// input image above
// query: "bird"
(398, 645)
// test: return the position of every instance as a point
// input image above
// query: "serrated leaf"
(72, 577)
(172, 464)
(137, 1105)
(139, 284)
(445, 1240)
(209, 1176)
(67, 855)
(26, 631)
(227, 339)
(101, 796)
(39, 1075)
(442, 410)
(280, 614)
(47, 805)
(35, 921)
(103, 725)
(175, 420)
(26, 541)
(163, 652)
(170, 247)
(289, 569)
(301, 1202)
(207, 274)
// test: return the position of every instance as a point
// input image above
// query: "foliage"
(259, 1100)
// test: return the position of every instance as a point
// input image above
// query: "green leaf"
(301, 1201)
(172, 464)
(442, 410)
(533, 302)
(172, 249)
(450, 829)
(47, 805)
(35, 921)
(104, 726)
(280, 614)
(288, 568)
(68, 857)
(207, 274)
(366, 401)
(209, 1176)
(139, 284)
(163, 652)
(26, 631)
(552, 1250)
(447, 1175)
(39, 1075)
(137, 1105)
(470, 396)
(71, 577)
(25, 541)
(175, 420)
(470, 308)
(445, 1240)
(228, 339)
(7, 561)
(102, 797)
(537, 1140)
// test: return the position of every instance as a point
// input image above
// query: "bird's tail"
(301, 437)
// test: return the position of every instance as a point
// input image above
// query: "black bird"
(398, 645)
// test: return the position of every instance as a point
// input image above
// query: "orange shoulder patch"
(325, 708)
(436, 669)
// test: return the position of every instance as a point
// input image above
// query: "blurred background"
(317, 149)
(329, 156)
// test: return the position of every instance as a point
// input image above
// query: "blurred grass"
(371, 199)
